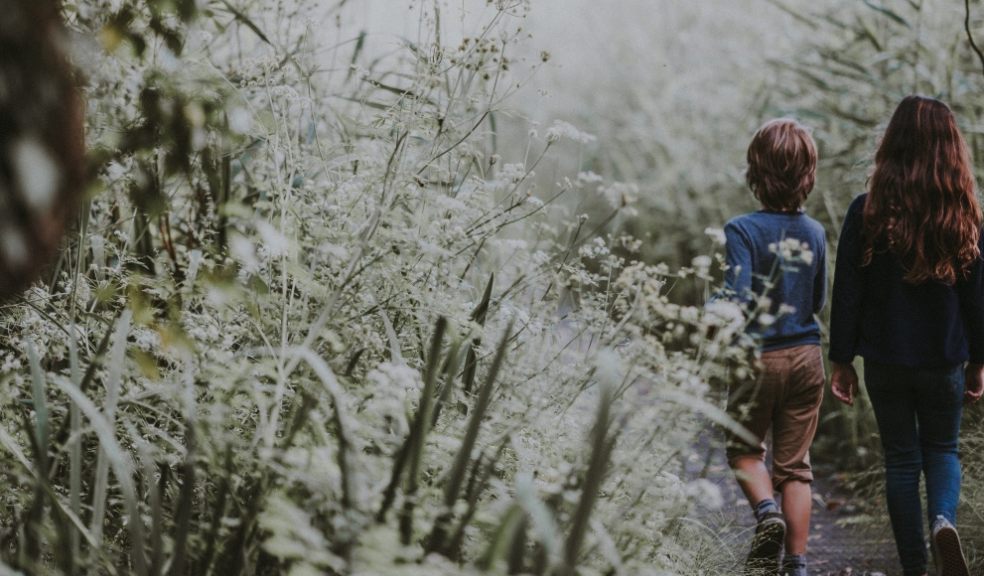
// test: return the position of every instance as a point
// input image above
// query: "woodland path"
(840, 545)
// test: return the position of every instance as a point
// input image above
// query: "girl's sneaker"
(766, 545)
(950, 559)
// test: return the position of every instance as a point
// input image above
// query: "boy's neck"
(775, 211)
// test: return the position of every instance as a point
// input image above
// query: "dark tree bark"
(42, 159)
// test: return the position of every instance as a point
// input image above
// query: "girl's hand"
(844, 383)
(974, 383)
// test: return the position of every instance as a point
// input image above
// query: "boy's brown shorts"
(784, 398)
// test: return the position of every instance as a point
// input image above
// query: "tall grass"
(318, 320)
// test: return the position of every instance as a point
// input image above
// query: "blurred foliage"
(41, 142)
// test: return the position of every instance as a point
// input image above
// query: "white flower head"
(620, 194)
(244, 252)
(689, 314)
(724, 313)
(274, 242)
(589, 177)
(561, 129)
(706, 493)
(702, 264)
(786, 309)
(240, 120)
(716, 234)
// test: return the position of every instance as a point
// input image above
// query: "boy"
(777, 268)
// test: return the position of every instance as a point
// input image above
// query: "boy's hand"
(844, 383)
(974, 383)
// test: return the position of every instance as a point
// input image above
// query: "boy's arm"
(738, 257)
(845, 311)
(820, 280)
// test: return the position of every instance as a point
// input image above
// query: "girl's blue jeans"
(918, 413)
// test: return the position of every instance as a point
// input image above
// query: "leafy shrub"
(312, 323)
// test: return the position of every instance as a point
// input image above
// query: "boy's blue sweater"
(879, 316)
(756, 267)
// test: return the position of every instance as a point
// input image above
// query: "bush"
(311, 322)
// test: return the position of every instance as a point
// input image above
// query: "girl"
(909, 298)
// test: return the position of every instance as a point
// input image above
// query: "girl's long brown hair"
(922, 205)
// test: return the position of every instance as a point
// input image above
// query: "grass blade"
(457, 476)
(504, 536)
(420, 428)
(602, 445)
(74, 446)
(101, 481)
(183, 507)
(40, 407)
(122, 467)
(478, 316)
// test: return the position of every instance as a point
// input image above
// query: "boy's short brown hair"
(782, 165)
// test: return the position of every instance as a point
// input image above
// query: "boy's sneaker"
(949, 555)
(766, 545)
(794, 565)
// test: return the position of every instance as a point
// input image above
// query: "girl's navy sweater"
(877, 315)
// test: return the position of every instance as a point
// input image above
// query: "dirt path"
(840, 544)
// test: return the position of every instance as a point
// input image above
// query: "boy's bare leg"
(797, 502)
(753, 477)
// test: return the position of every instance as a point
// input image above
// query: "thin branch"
(970, 35)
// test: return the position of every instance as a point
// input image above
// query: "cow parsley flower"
(563, 130)
(716, 234)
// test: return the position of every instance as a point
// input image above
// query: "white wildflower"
(589, 177)
(274, 242)
(702, 264)
(706, 493)
(716, 234)
(240, 120)
(807, 257)
(725, 314)
(609, 367)
(620, 194)
(116, 171)
(689, 314)
(513, 172)
(396, 376)
(243, 251)
(335, 251)
(145, 339)
(561, 129)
